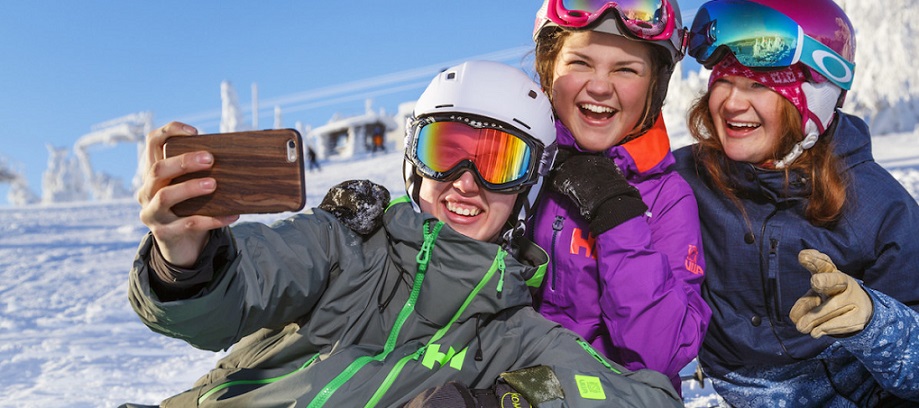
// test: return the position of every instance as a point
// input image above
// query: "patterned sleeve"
(889, 346)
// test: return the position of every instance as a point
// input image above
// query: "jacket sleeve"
(276, 277)
(887, 217)
(584, 377)
(651, 272)
(889, 346)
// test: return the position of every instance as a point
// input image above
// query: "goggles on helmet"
(761, 37)
(501, 158)
(645, 19)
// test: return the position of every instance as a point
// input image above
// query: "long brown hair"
(550, 45)
(828, 193)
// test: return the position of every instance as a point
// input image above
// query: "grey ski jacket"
(318, 316)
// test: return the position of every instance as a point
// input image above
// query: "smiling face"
(466, 206)
(747, 118)
(600, 87)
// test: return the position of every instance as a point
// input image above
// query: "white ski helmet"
(486, 94)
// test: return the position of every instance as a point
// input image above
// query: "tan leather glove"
(836, 304)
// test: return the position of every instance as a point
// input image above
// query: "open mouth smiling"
(464, 210)
(596, 111)
(742, 125)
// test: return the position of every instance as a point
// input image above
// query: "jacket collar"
(457, 267)
(851, 140)
(649, 153)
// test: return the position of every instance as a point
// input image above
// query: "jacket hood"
(456, 284)
(851, 140)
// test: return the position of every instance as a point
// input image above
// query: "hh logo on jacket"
(579, 242)
(692, 261)
(433, 355)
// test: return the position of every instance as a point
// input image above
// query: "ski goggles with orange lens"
(501, 158)
(761, 37)
(645, 19)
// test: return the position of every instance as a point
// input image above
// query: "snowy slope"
(68, 336)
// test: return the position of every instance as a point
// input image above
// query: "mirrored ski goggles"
(443, 147)
(760, 37)
(645, 19)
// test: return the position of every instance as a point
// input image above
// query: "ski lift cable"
(370, 83)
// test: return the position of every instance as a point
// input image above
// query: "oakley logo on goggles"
(761, 37)
(646, 19)
(442, 147)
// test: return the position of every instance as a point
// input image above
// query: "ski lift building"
(346, 137)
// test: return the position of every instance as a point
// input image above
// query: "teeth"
(596, 108)
(468, 212)
(743, 125)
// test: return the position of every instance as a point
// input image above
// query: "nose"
(736, 100)
(599, 86)
(466, 183)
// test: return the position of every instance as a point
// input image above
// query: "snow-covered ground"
(68, 336)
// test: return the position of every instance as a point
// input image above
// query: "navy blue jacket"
(754, 278)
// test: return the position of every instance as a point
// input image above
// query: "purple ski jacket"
(634, 291)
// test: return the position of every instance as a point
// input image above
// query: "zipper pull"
(424, 255)
(558, 223)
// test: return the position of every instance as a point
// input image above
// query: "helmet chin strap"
(809, 141)
(412, 184)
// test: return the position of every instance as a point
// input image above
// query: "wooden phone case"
(257, 172)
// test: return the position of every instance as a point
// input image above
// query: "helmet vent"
(449, 105)
(532, 94)
(521, 123)
(451, 75)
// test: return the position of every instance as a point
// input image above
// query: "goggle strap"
(814, 54)
(546, 159)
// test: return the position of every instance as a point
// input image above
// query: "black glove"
(359, 204)
(603, 196)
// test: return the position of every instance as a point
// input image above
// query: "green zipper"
(590, 350)
(497, 264)
(424, 256)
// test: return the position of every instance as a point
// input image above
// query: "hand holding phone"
(256, 172)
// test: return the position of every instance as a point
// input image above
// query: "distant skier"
(377, 139)
(311, 154)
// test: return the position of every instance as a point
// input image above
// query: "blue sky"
(67, 65)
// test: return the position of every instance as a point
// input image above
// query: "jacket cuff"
(172, 282)
(883, 316)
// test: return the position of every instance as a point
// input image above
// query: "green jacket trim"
(497, 264)
(424, 256)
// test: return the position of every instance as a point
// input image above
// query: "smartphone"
(257, 172)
